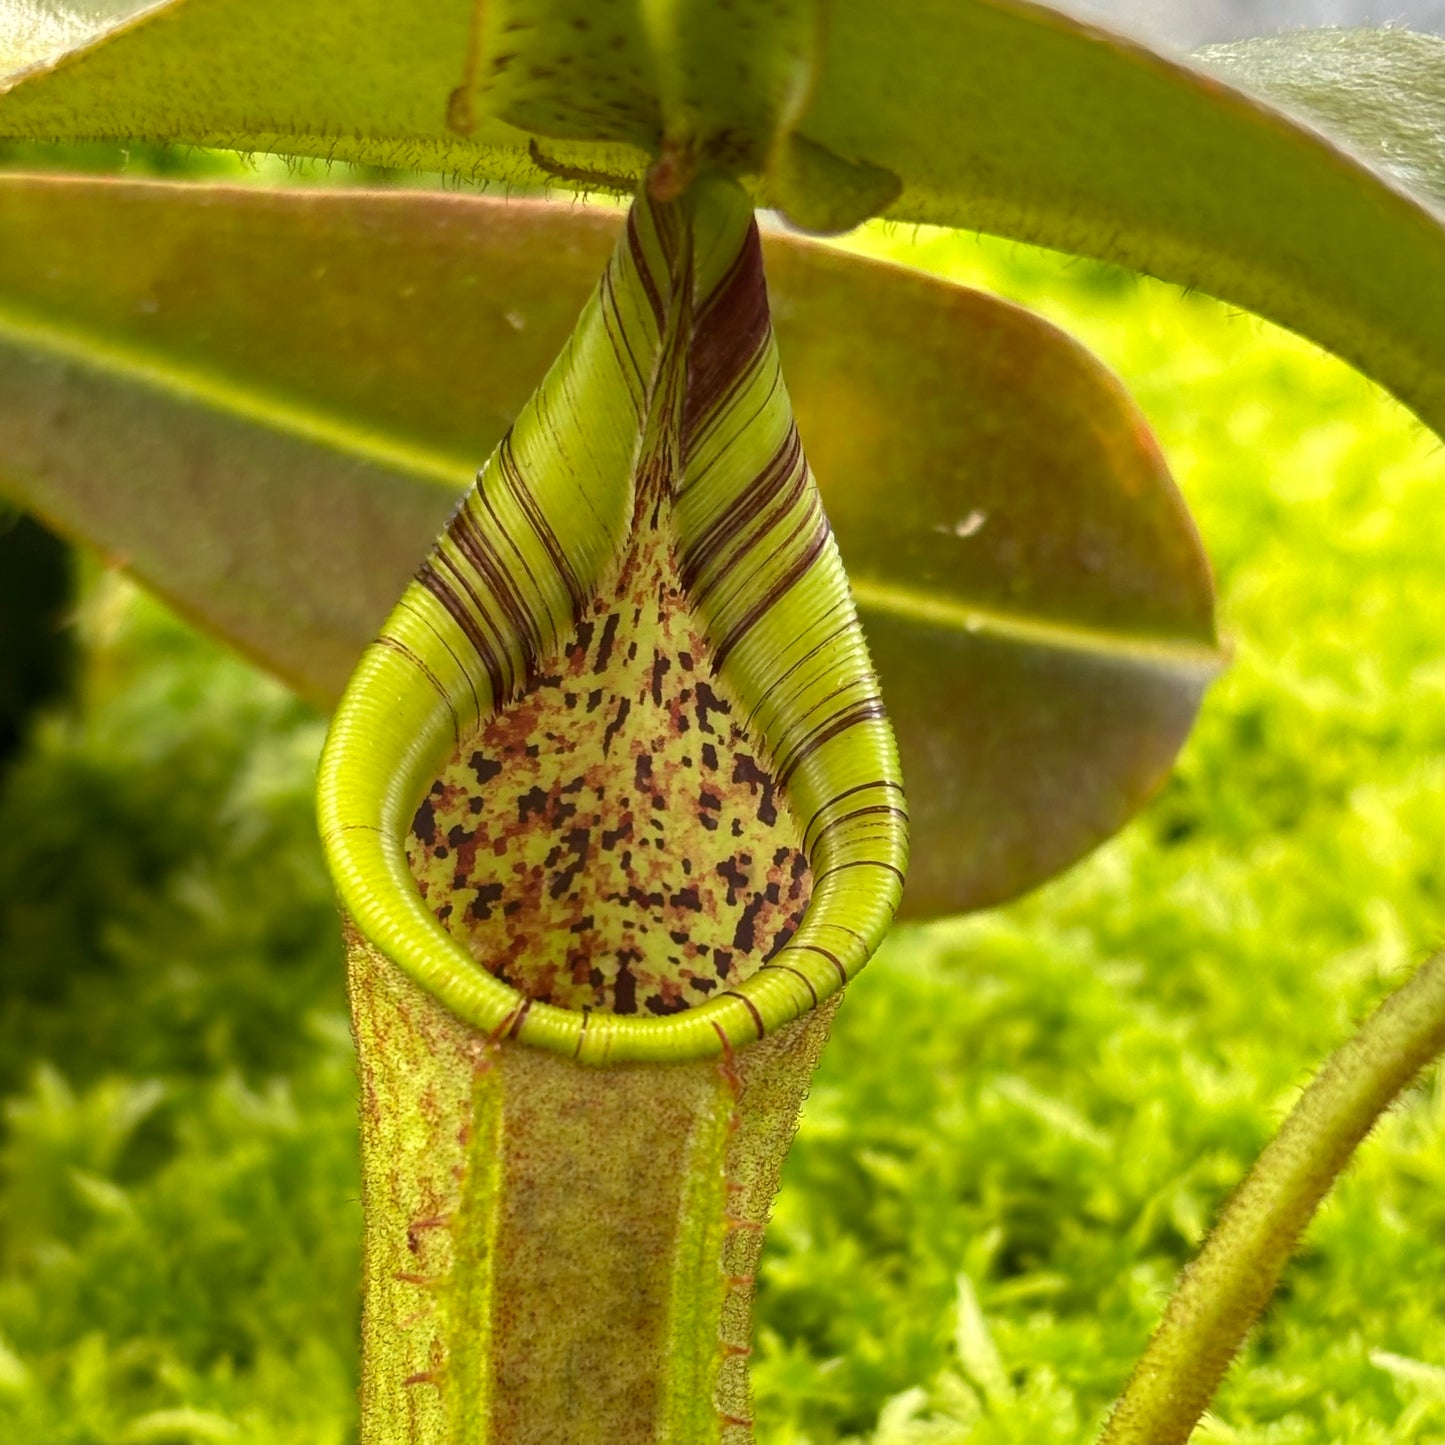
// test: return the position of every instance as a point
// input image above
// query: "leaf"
(36, 34)
(1380, 93)
(276, 495)
(1420, 1375)
(183, 408)
(183, 1426)
(14, 1376)
(361, 81)
(977, 1353)
(1034, 594)
(996, 115)
(1020, 121)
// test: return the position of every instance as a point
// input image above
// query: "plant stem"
(555, 1251)
(1229, 1284)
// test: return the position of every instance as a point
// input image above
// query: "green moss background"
(1025, 1120)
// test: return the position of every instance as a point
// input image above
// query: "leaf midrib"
(218, 391)
(1163, 651)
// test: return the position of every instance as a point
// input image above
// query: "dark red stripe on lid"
(823, 953)
(446, 646)
(859, 863)
(848, 793)
(536, 518)
(797, 973)
(876, 808)
(496, 661)
(754, 497)
(729, 331)
(439, 588)
(479, 551)
(617, 330)
(402, 650)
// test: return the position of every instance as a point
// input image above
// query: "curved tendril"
(1228, 1285)
(662, 437)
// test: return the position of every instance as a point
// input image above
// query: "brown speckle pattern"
(614, 839)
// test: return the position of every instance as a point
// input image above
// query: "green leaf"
(39, 34)
(1380, 93)
(362, 81)
(1020, 121)
(265, 405)
(998, 115)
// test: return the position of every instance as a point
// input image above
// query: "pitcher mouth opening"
(610, 866)
(615, 841)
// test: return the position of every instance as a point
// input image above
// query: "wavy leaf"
(182, 408)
